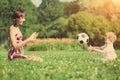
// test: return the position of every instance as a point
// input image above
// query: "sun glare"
(113, 0)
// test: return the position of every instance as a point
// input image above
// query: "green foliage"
(57, 29)
(4, 45)
(50, 16)
(5, 13)
(2, 35)
(55, 46)
(60, 65)
(49, 11)
(80, 22)
(73, 8)
(60, 27)
(115, 27)
(100, 26)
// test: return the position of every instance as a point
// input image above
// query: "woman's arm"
(18, 45)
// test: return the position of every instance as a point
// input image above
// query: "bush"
(43, 46)
(4, 45)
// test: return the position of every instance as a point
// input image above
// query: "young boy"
(107, 49)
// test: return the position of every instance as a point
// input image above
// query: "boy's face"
(107, 41)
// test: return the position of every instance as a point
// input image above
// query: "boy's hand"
(90, 48)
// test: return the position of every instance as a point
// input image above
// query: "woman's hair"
(18, 13)
(111, 36)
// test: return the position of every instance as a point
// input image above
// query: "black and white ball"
(82, 38)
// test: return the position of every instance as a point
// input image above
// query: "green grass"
(60, 65)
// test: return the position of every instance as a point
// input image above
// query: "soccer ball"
(82, 38)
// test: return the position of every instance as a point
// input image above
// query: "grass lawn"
(60, 65)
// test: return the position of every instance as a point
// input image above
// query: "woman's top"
(15, 53)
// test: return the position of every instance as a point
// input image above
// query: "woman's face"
(19, 21)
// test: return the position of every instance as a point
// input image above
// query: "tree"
(73, 7)
(56, 29)
(49, 11)
(115, 27)
(100, 26)
(80, 22)
(50, 15)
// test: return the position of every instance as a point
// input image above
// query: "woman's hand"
(33, 37)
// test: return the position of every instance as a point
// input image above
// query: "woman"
(15, 37)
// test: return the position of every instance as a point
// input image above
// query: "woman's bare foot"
(34, 58)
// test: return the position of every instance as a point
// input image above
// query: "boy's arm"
(97, 50)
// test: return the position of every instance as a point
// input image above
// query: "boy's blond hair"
(111, 36)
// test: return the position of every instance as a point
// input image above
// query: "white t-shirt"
(109, 51)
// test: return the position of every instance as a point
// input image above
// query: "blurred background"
(63, 19)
